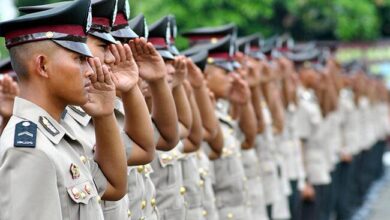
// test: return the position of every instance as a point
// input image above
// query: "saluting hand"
(101, 93)
(125, 73)
(195, 75)
(239, 92)
(181, 72)
(9, 89)
(150, 63)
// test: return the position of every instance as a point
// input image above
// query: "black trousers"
(313, 209)
(343, 191)
(269, 212)
(294, 201)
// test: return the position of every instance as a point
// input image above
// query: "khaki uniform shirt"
(229, 171)
(192, 184)
(265, 148)
(207, 180)
(44, 170)
(80, 123)
(350, 123)
(312, 130)
(167, 177)
(293, 149)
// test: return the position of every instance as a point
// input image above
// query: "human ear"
(41, 65)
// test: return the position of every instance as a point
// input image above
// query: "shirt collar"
(46, 124)
(78, 114)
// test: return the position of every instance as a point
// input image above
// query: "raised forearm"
(216, 145)
(138, 126)
(183, 110)
(206, 110)
(164, 112)
(248, 125)
(256, 102)
(110, 155)
(195, 136)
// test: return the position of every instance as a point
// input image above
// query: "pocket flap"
(82, 192)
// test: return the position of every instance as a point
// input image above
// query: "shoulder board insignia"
(78, 111)
(48, 126)
(25, 134)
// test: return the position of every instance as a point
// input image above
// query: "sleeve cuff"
(99, 178)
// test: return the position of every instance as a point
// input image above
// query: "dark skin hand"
(153, 71)
(9, 89)
(245, 111)
(138, 125)
(109, 151)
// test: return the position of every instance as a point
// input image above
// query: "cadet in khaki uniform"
(229, 172)
(349, 132)
(72, 186)
(311, 131)
(160, 101)
(125, 76)
(143, 207)
(250, 58)
(195, 64)
(266, 143)
(292, 151)
(167, 175)
(190, 117)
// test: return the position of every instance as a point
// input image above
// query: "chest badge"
(74, 171)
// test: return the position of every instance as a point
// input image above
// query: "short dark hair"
(22, 53)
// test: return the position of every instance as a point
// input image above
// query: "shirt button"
(143, 204)
(153, 202)
(204, 213)
(201, 183)
(98, 199)
(230, 215)
(140, 169)
(182, 190)
(83, 159)
(82, 195)
(128, 213)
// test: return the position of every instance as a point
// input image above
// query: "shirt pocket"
(166, 173)
(82, 192)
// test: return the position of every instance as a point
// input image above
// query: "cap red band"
(283, 49)
(120, 19)
(205, 37)
(65, 29)
(255, 48)
(101, 21)
(158, 41)
(221, 55)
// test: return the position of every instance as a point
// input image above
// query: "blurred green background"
(346, 20)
